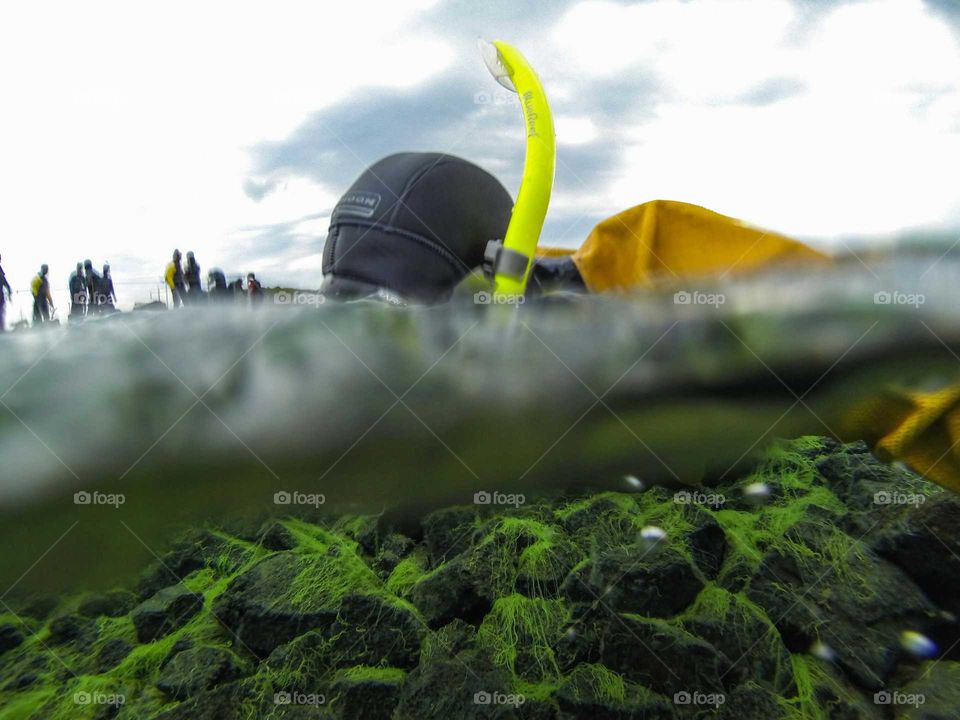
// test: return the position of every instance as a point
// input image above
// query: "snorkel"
(510, 262)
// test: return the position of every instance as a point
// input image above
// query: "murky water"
(158, 420)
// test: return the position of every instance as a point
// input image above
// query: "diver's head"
(79, 268)
(88, 264)
(411, 227)
(44, 270)
(106, 269)
(176, 256)
(189, 256)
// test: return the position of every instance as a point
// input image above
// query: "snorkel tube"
(510, 262)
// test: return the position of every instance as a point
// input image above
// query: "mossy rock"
(451, 591)
(448, 532)
(365, 693)
(593, 691)
(72, 629)
(10, 637)
(198, 669)
(938, 685)
(169, 609)
(821, 584)
(656, 582)
(113, 603)
(112, 653)
(288, 594)
(747, 638)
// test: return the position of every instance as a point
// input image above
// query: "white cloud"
(868, 143)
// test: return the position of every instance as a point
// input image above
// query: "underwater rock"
(197, 549)
(371, 630)
(169, 609)
(823, 584)
(744, 634)
(287, 594)
(202, 668)
(447, 532)
(661, 583)
(450, 592)
(110, 604)
(72, 629)
(936, 691)
(111, 654)
(274, 536)
(926, 545)
(595, 692)
(10, 637)
(366, 693)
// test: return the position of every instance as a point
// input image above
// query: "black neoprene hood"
(414, 225)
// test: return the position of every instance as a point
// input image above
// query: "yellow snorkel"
(510, 262)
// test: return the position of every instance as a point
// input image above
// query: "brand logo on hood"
(359, 204)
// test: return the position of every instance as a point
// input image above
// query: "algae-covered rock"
(114, 603)
(72, 629)
(169, 609)
(198, 669)
(112, 653)
(287, 594)
(925, 544)
(451, 591)
(10, 637)
(747, 638)
(933, 695)
(593, 691)
(822, 584)
(658, 582)
(366, 693)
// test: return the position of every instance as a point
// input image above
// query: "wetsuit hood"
(412, 226)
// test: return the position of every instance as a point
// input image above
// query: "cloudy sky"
(230, 129)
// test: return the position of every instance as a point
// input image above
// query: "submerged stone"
(168, 610)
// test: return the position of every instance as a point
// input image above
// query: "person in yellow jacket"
(174, 279)
(42, 299)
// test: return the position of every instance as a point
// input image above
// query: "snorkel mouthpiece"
(512, 262)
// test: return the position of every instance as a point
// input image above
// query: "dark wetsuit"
(4, 290)
(78, 294)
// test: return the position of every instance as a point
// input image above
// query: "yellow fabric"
(920, 429)
(35, 285)
(171, 271)
(669, 240)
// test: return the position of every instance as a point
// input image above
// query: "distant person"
(92, 278)
(191, 274)
(42, 299)
(107, 295)
(236, 288)
(254, 289)
(78, 292)
(4, 288)
(217, 286)
(174, 278)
